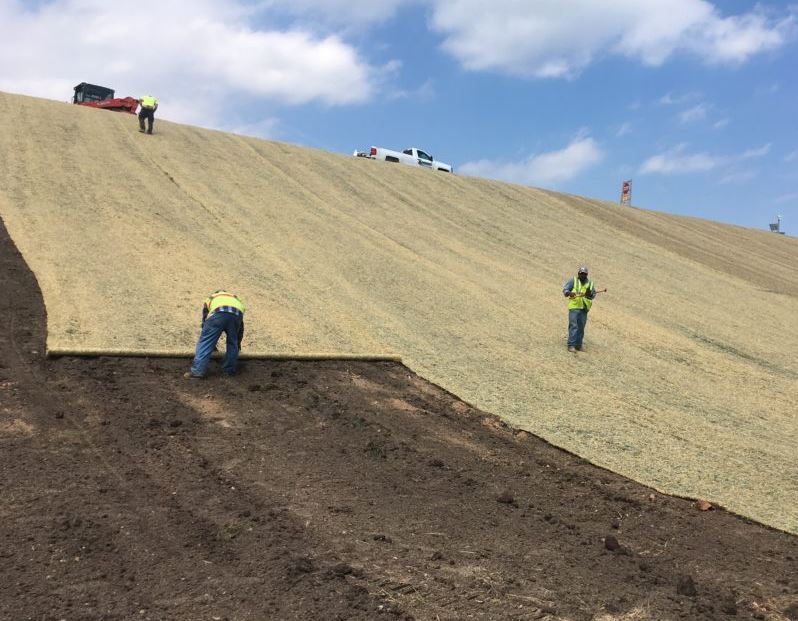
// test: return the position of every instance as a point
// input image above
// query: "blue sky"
(694, 101)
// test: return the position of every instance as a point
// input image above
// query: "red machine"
(101, 97)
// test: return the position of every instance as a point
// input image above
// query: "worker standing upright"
(580, 292)
(148, 105)
(221, 312)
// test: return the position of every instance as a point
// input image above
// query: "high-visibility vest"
(223, 298)
(148, 101)
(580, 301)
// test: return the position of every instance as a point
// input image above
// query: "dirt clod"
(341, 569)
(506, 497)
(729, 606)
(686, 586)
(302, 565)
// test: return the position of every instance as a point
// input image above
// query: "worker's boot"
(572, 349)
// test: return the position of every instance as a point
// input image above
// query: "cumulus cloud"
(542, 168)
(199, 57)
(541, 39)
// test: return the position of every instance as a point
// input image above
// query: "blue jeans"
(212, 329)
(577, 318)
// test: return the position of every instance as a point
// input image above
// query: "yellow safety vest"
(148, 101)
(223, 298)
(580, 301)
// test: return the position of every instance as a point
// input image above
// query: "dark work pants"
(233, 327)
(149, 114)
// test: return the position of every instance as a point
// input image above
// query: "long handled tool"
(581, 295)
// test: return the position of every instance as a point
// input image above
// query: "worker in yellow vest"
(580, 292)
(221, 312)
(148, 105)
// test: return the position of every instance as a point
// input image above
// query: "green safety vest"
(148, 101)
(223, 298)
(580, 301)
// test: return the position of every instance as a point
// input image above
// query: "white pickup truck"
(412, 156)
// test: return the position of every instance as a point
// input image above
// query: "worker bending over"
(148, 105)
(221, 312)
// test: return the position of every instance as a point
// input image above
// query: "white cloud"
(676, 161)
(424, 92)
(624, 129)
(199, 57)
(736, 38)
(264, 128)
(669, 99)
(542, 168)
(791, 156)
(756, 153)
(696, 113)
(541, 39)
(721, 123)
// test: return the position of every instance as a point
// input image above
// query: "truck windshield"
(424, 156)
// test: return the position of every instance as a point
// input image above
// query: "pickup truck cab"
(411, 156)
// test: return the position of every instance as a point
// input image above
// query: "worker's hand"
(572, 295)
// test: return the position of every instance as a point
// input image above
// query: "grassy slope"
(688, 379)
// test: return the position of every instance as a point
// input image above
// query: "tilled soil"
(329, 490)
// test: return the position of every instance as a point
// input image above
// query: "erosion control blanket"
(688, 374)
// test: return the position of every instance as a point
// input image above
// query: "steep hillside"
(688, 377)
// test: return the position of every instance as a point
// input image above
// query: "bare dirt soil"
(328, 490)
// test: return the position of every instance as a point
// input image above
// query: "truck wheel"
(390, 158)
